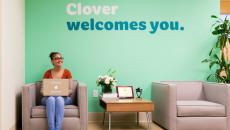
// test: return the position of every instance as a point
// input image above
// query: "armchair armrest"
(83, 105)
(164, 97)
(28, 101)
(217, 92)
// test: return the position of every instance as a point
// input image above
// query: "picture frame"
(125, 92)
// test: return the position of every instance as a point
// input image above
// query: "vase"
(106, 89)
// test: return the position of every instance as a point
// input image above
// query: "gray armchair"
(34, 114)
(188, 105)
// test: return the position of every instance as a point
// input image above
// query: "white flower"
(107, 81)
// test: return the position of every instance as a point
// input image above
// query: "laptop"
(56, 87)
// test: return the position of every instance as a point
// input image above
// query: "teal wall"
(138, 56)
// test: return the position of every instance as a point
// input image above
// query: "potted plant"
(107, 81)
(219, 56)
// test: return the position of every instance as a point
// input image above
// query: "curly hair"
(52, 54)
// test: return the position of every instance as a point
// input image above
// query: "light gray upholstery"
(69, 111)
(198, 108)
(191, 105)
(34, 116)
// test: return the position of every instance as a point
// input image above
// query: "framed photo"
(125, 91)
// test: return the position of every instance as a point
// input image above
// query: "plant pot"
(106, 89)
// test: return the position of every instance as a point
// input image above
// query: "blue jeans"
(55, 110)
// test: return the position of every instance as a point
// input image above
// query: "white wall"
(223, 16)
(0, 61)
(11, 59)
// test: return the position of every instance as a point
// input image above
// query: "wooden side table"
(128, 105)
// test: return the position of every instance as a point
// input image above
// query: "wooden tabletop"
(127, 105)
(107, 100)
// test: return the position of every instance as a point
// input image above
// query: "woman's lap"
(67, 100)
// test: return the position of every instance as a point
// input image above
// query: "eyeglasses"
(58, 58)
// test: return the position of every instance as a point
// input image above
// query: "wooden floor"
(122, 126)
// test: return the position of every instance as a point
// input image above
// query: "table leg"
(104, 118)
(147, 117)
(109, 120)
(148, 114)
(137, 118)
(150, 120)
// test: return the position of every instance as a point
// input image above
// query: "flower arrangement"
(107, 81)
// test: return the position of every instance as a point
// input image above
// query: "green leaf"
(215, 32)
(205, 60)
(226, 18)
(214, 77)
(214, 16)
(210, 51)
(216, 57)
(218, 27)
(217, 42)
(220, 31)
(222, 25)
(215, 23)
(211, 76)
(212, 63)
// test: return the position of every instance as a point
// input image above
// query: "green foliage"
(222, 67)
(111, 72)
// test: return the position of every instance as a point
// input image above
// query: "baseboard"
(117, 117)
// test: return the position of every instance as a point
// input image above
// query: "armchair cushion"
(194, 108)
(40, 111)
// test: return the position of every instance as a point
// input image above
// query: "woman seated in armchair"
(55, 104)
